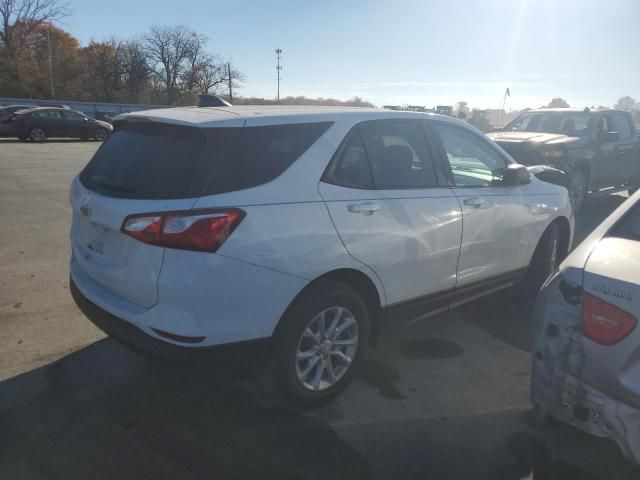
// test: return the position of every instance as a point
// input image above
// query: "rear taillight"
(604, 323)
(203, 230)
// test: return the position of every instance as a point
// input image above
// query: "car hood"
(535, 138)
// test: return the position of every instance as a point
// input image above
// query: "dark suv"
(598, 150)
(41, 123)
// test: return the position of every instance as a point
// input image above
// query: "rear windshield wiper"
(102, 182)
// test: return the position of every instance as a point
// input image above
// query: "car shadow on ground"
(593, 212)
(104, 412)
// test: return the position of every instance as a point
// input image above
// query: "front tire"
(101, 135)
(577, 189)
(543, 264)
(320, 343)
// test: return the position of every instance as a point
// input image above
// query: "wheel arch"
(359, 281)
(565, 236)
(584, 166)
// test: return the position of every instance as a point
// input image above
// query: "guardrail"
(91, 109)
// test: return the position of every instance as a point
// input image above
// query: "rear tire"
(543, 264)
(37, 134)
(313, 363)
(577, 188)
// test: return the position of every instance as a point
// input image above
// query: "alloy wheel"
(326, 348)
(101, 135)
(38, 134)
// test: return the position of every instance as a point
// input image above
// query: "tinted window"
(474, 163)
(573, 124)
(629, 227)
(617, 122)
(398, 154)
(259, 154)
(352, 166)
(70, 115)
(48, 114)
(168, 161)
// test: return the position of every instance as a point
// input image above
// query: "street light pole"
(50, 63)
(278, 69)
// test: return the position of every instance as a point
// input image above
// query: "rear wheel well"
(359, 282)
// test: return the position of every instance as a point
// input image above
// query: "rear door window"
(351, 169)
(170, 161)
(619, 122)
(398, 153)
(629, 226)
(256, 155)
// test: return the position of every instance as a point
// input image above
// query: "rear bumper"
(210, 297)
(562, 381)
(139, 341)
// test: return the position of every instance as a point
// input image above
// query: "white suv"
(304, 227)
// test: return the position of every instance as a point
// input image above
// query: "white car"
(306, 228)
(586, 368)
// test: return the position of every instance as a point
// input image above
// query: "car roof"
(577, 259)
(572, 110)
(270, 114)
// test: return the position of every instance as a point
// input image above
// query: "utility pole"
(50, 63)
(278, 69)
(230, 82)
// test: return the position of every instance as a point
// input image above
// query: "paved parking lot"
(447, 398)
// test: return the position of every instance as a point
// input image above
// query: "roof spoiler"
(212, 101)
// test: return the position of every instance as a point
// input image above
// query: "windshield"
(573, 124)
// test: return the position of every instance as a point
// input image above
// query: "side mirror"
(516, 174)
(610, 137)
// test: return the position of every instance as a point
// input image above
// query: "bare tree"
(558, 103)
(19, 18)
(209, 75)
(135, 70)
(168, 50)
(627, 104)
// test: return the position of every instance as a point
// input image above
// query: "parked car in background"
(301, 228)
(6, 113)
(599, 150)
(40, 123)
(586, 367)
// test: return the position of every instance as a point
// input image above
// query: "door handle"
(366, 208)
(475, 202)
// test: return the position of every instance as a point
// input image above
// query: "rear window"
(629, 226)
(167, 161)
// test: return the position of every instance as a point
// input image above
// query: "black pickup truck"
(599, 150)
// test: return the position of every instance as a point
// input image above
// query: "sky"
(416, 52)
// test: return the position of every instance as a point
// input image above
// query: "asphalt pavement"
(445, 399)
